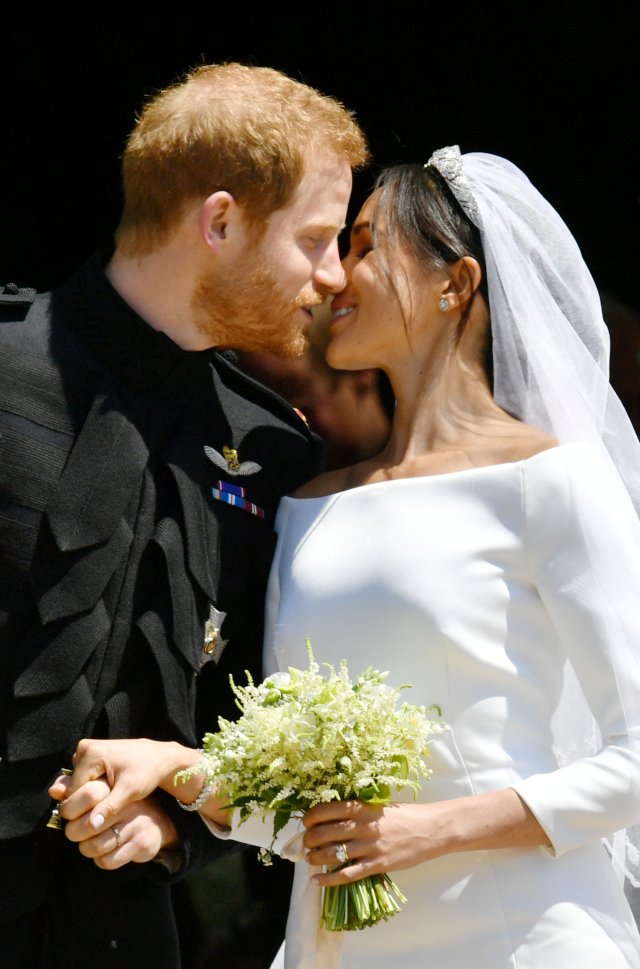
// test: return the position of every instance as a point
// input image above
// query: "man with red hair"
(140, 472)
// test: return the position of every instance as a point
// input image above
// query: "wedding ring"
(117, 834)
(342, 856)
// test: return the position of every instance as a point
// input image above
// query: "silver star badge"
(213, 644)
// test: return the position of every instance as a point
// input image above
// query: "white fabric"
(257, 830)
(477, 587)
(310, 946)
(550, 355)
(550, 341)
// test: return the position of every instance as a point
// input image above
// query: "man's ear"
(464, 279)
(219, 216)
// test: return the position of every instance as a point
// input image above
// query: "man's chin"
(291, 349)
(294, 351)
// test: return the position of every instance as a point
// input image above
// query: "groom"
(140, 471)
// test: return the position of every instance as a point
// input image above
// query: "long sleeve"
(584, 551)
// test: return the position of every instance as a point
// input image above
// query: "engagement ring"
(341, 854)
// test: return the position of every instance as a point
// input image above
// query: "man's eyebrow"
(323, 227)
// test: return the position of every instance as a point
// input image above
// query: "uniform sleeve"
(197, 847)
(583, 537)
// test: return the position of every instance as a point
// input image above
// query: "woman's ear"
(218, 215)
(463, 280)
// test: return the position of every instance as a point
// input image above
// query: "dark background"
(551, 85)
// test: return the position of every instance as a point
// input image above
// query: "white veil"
(550, 341)
(551, 368)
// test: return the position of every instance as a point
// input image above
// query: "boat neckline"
(501, 465)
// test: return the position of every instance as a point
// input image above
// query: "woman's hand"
(377, 839)
(138, 834)
(131, 769)
(397, 836)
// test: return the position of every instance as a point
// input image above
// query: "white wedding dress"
(476, 587)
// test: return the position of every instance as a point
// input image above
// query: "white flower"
(311, 736)
(278, 680)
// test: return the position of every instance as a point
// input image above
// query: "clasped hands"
(109, 804)
(112, 814)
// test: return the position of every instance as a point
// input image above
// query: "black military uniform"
(138, 489)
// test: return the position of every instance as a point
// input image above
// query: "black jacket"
(116, 540)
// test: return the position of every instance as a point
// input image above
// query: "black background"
(553, 86)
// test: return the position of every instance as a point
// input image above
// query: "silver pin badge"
(213, 644)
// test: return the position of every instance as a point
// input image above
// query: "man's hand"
(138, 833)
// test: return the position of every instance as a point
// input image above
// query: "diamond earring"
(443, 304)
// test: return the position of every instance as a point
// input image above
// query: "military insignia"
(213, 644)
(235, 495)
(231, 457)
(230, 462)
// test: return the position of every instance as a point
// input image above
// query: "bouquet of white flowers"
(304, 738)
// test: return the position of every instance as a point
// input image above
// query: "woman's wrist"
(196, 793)
(493, 820)
(175, 758)
(201, 799)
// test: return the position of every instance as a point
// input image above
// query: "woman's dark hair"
(423, 215)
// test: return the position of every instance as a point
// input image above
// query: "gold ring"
(342, 856)
(117, 834)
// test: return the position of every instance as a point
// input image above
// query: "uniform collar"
(146, 360)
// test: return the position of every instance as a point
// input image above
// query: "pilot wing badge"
(228, 461)
(233, 494)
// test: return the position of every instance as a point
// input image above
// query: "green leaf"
(281, 818)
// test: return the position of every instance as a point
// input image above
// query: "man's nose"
(330, 274)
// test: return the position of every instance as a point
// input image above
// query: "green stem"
(360, 903)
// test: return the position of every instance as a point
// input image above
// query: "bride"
(489, 556)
